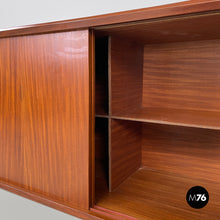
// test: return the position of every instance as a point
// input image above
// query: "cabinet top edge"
(175, 9)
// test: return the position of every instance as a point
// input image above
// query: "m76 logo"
(197, 197)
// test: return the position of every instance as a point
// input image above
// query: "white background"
(15, 13)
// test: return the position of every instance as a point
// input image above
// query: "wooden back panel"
(183, 151)
(126, 75)
(182, 75)
(52, 73)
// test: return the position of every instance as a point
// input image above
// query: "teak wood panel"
(53, 151)
(126, 75)
(125, 151)
(182, 76)
(11, 157)
(182, 151)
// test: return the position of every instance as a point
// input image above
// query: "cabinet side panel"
(53, 72)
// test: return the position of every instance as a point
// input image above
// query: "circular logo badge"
(197, 197)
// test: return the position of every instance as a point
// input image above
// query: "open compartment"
(163, 121)
(176, 83)
(167, 71)
(153, 166)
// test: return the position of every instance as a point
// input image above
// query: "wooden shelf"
(178, 117)
(102, 116)
(154, 195)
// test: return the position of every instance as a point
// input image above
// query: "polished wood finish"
(163, 118)
(126, 75)
(156, 90)
(182, 151)
(152, 194)
(91, 118)
(11, 156)
(112, 214)
(185, 76)
(125, 151)
(151, 78)
(176, 9)
(50, 157)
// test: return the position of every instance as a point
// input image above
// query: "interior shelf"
(158, 195)
(179, 117)
(101, 116)
(152, 166)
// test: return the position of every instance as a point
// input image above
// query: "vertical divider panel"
(125, 63)
(125, 150)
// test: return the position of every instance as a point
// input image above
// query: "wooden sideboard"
(114, 116)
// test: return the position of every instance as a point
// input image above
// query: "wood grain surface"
(179, 86)
(50, 157)
(180, 117)
(163, 68)
(91, 117)
(182, 76)
(190, 152)
(173, 159)
(11, 155)
(181, 8)
(155, 195)
(126, 75)
(125, 151)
